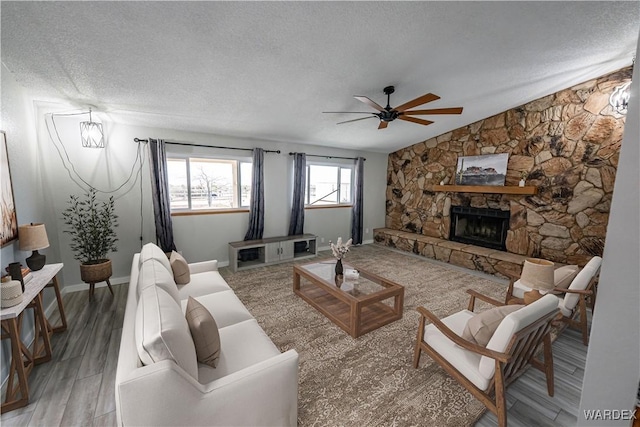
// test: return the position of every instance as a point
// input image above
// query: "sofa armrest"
(201, 267)
(163, 394)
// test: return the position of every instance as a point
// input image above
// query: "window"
(205, 184)
(328, 185)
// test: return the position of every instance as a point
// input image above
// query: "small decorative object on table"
(15, 271)
(11, 291)
(351, 274)
(339, 250)
(523, 177)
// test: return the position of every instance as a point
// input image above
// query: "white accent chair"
(573, 301)
(486, 372)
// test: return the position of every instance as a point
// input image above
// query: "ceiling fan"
(402, 112)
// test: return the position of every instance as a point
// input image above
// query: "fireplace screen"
(479, 226)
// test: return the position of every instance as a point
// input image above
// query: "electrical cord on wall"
(73, 173)
(79, 181)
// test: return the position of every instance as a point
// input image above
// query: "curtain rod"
(329, 157)
(206, 146)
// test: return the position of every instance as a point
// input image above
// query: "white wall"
(17, 120)
(613, 360)
(199, 237)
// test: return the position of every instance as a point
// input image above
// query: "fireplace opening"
(479, 226)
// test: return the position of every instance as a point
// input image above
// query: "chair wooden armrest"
(509, 294)
(575, 291)
(457, 339)
(476, 294)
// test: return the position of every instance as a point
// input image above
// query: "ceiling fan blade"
(347, 112)
(369, 102)
(454, 110)
(415, 120)
(383, 124)
(355, 120)
(418, 101)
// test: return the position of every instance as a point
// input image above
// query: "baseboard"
(83, 286)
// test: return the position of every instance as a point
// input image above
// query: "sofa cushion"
(204, 283)
(480, 328)
(204, 332)
(152, 273)
(563, 276)
(224, 306)
(180, 268)
(153, 251)
(464, 361)
(242, 345)
(162, 332)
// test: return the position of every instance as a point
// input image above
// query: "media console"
(256, 253)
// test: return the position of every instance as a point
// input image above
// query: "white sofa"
(160, 382)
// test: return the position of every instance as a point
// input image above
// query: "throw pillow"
(204, 332)
(162, 332)
(563, 276)
(180, 268)
(480, 328)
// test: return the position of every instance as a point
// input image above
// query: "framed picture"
(490, 169)
(9, 231)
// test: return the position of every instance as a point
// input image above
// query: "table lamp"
(537, 274)
(33, 237)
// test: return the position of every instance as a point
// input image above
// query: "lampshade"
(537, 274)
(91, 134)
(32, 237)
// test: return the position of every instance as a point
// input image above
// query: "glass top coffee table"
(357, 305)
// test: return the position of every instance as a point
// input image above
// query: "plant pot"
(521, 183)
(95, 271)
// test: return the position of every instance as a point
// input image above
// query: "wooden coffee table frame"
(356, 315)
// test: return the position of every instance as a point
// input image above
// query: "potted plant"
(91, 224)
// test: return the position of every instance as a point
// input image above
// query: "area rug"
(368, 381)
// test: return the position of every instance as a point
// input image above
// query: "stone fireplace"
(479, 226)
(566, 144)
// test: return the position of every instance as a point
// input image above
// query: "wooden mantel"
(492, 189)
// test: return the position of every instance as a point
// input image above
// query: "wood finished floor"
(76, 388)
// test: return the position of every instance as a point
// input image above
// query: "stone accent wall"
(568, 143)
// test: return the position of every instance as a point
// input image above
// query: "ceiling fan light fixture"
(91, 134)
(402, 112)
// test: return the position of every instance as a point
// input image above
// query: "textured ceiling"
(268, 69)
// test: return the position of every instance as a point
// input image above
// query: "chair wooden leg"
(548, 364)
(418, 349)
(501, 400)
(109, 285)
(583, 320)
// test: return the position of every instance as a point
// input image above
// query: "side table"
(22, 358)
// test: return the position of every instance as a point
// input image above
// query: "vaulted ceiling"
(269, 69)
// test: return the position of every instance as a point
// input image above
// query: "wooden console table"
(22, 358)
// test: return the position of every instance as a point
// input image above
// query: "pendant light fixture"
(91, 133)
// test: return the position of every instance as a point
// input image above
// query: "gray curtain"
(357, 221)
(256, 209)
(160, 195)
(296, 223)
